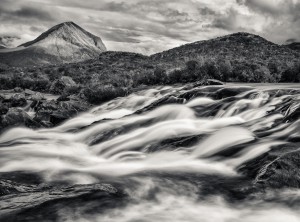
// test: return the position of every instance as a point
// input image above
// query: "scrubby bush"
(99, 94)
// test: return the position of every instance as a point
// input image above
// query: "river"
(214, 153)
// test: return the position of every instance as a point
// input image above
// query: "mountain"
(235, 47)
(64, 43)
(294, 46)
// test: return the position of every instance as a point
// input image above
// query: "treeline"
(224, 71)
(114, 75)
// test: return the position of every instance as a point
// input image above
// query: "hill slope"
(294, 46)
(63, 43)
(244, 55)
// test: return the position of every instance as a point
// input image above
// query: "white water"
(111, 140)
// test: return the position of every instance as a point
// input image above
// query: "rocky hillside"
(242, 53)
(63, 43)
(237, 46)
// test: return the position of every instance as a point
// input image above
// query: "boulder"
(3, 109)
(28, 92)
(58, 86)
(36, 97)
(66, 110)
(18, 117)
(16, 100)
(54, 112)
(229, 92)
(276, 169)
(18, 90)
(45, 109)
(63, 98)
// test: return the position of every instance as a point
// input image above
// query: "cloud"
(274, 7)
(152, 26)
(288, 41)
(8, 41)
(281, 17)
(30, 12)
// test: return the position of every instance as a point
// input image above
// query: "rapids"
(212, 153)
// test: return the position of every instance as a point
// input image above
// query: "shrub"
(99, 94)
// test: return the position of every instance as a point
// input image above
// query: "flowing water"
(214, 153)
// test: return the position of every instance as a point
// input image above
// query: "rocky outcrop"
(17, 117)
(59, 85)
(51, 113)
(33, 109)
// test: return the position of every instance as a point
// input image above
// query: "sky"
(150, 26)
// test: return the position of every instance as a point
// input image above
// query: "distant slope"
(294, 46)
(234, 48)
(63, 43)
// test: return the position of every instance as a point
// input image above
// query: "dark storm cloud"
(115, 6)
(30, 12)
(15, 11)
(290, 40)
(206, 11)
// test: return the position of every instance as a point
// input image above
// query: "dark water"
(165, 154)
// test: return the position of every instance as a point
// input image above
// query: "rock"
(46, 124)
(55, 112)
(18, 90)
(293, 112)
(49, 105)
(16, 100)
(194, 85)
(58, 86)
(63, 98)
(29, 92)
(16, 117)
(214, 82)
(229, 92)
(45, 109)
(43, 116)
(36, 97)
(276, 169)
(3, 109)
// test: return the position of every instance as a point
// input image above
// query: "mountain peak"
(63, 43)
(69, 32)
